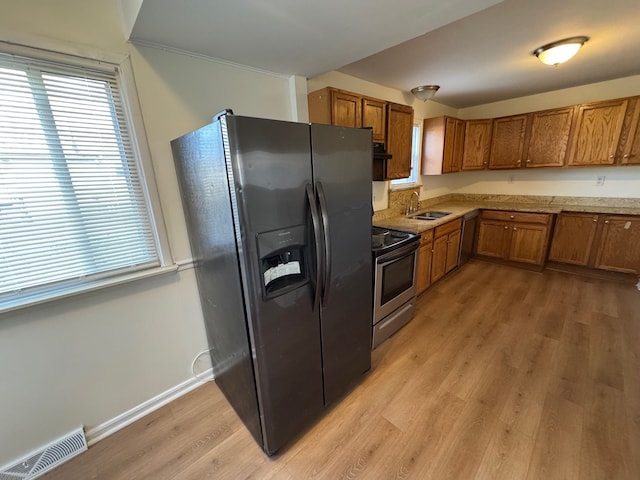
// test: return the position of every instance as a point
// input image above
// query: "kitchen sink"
(430, 215)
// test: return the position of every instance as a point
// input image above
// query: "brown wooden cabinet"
(606, 242)
(332, 106)
(513, 236)
(374, 115)
(619, 246)
(399, 138)
(423, 273)
(573, 238)
(507, 142)
(629, 152)
(597, 131)
(391, 123)
(446, 246)
(442, 145)
(477, 144)
(549, 137)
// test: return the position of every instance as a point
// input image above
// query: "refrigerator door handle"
(327, 243)
(315, 218)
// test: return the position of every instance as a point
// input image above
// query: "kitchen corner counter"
(459, 208)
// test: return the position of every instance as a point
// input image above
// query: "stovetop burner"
(385, 239)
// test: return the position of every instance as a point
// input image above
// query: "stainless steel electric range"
(395, 255)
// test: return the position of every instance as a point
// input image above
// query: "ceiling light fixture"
(425, 92)
(560, 51)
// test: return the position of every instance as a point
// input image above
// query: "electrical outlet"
(600, 180)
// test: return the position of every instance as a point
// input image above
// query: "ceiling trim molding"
(200, 56)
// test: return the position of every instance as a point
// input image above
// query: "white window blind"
(72, 202)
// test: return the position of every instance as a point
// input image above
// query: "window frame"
(121, 66)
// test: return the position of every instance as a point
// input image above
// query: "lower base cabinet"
(439, 250)
(573, 238)
(605, 242)
(619, 246)
(423, 274)
(513, 236)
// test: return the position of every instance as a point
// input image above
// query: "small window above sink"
(429, 215)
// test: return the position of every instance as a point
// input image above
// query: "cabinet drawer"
(426, 237)
(449, 227)
(522, 217)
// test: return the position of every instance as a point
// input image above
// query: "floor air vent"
(48, 457)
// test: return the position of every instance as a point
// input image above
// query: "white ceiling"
(478, 51)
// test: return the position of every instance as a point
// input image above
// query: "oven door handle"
(315, 219)
(327, 242)
(400, 253)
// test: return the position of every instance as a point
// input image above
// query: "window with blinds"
(72, 199)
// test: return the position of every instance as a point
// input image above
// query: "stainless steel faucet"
(410, 207)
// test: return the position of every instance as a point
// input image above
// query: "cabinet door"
(453, 248)
(619, 248)
(458, 146)
(528, 243)
(346, 110)
(573, 238)
(423, 275)
(477, 141)
(439, 259)
(631, 152)
(597, 131)
(399, 136)
(549, 138)
(507, 142)
(374, 115)
(453, 145)
(493, 237)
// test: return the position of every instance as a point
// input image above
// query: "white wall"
(86, 359)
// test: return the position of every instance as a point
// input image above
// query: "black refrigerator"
(279, 221)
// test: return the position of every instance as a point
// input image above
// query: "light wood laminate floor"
(502, 374)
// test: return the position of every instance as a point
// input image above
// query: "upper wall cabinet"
(629, 147)
(374, 115)
(442, 145)
(597, 131)
(549, 137)
(477, 144)
(507, 142)
(391, 124)
(335, 107)
(399, 138)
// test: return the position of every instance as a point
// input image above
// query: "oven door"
(394, 280)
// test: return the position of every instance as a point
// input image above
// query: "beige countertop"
(460, 208)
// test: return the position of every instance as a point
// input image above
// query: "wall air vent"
(46, 458)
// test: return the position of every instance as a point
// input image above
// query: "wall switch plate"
(600, 180)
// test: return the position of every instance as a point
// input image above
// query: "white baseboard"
(109, 427)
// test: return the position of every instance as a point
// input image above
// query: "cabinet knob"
(606, 221)
(625, 156)
(484, 163)
(595, 219)
(514, 228)
(528, 160)
(519, 162)
(611, 156)
(512, 216)
(506, 227)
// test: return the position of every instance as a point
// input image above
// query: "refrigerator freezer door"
(342, 162)
(202, 175)
(270, 163)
